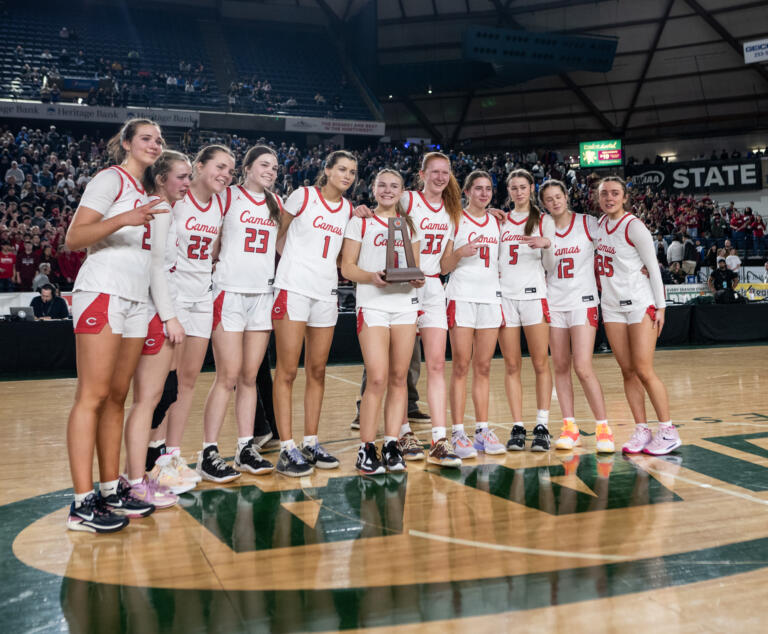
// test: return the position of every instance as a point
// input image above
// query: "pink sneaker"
(639, 440)
(148, 491)
(665, 441)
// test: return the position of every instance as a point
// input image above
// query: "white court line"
(516, 549)
(703, 485)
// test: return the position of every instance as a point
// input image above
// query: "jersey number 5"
(251, 235)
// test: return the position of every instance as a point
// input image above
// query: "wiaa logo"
(653, 178)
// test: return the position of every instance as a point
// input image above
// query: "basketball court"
(562, 541)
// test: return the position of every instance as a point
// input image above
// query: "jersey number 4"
(604, 265)
(198, 247)
(251, 235)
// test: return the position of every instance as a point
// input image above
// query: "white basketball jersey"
(313, 242)
(476, 278)
(247, 256)
(624, 286)
(434, 227)
(372, 234)
(522, 273)
(119, 263)
(197, 227)
(572, 284)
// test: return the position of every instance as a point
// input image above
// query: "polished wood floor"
(563, 541)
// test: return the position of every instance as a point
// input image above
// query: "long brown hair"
(115, 149)
(160, 169)
(398, 207)
(331, 160)
(250, 157)
(208, 152)
(534, 215)
(473, 176)
(452, 192)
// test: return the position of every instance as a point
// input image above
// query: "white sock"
(644, 425)
(405, 428)
(457, 428)
(80, 498)
(208, 444)
(438, 433)
(133, 483)
(310, 440)
(156, 444)
(542, 417)
(287, 445)
(569, 419)
(243, 441)
(172, 450)
(518, 423)
(666, 424)
(108, 488)
(389, 439)
(601, 422)
(481, 427)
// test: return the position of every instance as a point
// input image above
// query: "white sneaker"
(166, 475)
(185, 473)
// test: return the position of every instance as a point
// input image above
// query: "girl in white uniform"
(633, 311)
(167, 180)
(435, 211)
(573, 299)
(198, 217)
(524, 254)
(305, 305)
(386, 322)
(474, 312)
(109, 306)
(242, 306)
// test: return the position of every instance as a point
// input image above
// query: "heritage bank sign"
(698, 176)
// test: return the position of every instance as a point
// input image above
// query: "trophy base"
(403, 275)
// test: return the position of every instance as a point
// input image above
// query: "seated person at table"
(722, 282)
(49, 305)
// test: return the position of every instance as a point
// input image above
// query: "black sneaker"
(516, 440)
(123, 503)
(541, 439)
(249, 460)
(211, 466)
(292, 463)
(317, 456)
(415, 416)
(392, 456)
(368, 461)
(92, 516)
(153, 453)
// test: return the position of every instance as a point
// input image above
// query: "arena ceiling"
(678, 72)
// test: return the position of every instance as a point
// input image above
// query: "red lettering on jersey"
(319, 224)
(482, 239)
(193, 225)
(381, 241)
(508, 236)
(567, 251)
(256, 220)
(606, 249)
(426, 225)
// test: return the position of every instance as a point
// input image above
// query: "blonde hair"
(398, 207)
(452, 193)
(115, 149)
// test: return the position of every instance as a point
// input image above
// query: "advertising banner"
(756, 51)
(96, 114)
(698, 176)
(334, 126)
(681, 293)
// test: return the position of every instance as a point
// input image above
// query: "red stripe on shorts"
(95, 317)
(280, 307)
(217, 305)
(155, 336)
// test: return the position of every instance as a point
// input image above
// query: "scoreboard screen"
(600, 153)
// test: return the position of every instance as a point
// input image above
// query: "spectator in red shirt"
(7, 268)
(69, 264)
(27, 262)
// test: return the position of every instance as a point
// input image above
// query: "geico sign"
(714, 175)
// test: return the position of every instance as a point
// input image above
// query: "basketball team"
(180, 256)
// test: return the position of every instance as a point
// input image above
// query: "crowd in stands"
(44, 173)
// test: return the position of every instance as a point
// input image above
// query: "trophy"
(393, 273)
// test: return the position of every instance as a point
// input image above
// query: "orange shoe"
(569, 436)
(604, 439)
